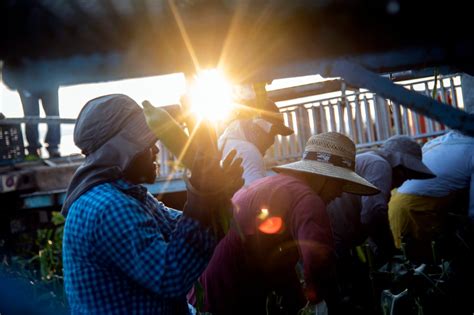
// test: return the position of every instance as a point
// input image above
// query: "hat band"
(329, 158)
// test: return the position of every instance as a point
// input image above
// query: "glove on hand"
(210, 188)
(212, 184)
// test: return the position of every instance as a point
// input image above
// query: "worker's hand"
(233, 171)
(209, 175)
(210, 188)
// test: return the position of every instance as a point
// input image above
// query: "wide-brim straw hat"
(331, 154)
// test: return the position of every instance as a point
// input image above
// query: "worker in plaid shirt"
(123, 251)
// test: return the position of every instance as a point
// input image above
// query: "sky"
(159, 90)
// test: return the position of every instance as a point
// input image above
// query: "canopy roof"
(47, 42)
(251, 39)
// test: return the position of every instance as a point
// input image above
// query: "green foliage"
(49, 242)
(41, 267)
(199, 292)
(307, 310)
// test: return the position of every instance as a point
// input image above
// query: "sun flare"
(211, 95)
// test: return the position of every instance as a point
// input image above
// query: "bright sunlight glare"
(211, 95)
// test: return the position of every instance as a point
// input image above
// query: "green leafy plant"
(41, 268)
(49, 242)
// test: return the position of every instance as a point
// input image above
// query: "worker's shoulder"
(370, 157)
(102, 195)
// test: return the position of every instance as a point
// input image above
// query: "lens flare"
(271, 225)
(263, 214)
(211, 95)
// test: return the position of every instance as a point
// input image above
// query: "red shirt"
(248, 263)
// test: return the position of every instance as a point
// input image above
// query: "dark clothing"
(110, 139)
(248, 264)
(355, 218)
(50, 103)
(123, 251)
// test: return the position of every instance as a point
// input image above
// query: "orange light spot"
(271, 225)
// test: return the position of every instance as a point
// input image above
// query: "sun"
(211, 95)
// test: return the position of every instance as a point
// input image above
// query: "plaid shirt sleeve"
(132, 238)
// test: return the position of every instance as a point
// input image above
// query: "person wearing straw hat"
(251, 137)
(356, 218)
(280, 220)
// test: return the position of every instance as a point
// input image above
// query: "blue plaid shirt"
(126, 253)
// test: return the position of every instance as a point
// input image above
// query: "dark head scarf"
(110, 130)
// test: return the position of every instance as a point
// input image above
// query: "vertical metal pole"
(303, 125)
(368, 120)
(416, 118)
(324, 121)
(361, 137)
(406, 122)
(316, 119)
(331, 116)
(292, 139)
(382, 117)
(430, 123)
(284, 141)
(397, 118)
(454, 95)
(340, 117)
(350, 119)
(277, 148)
(443, 90)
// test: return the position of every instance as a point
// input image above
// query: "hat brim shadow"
(353, 183)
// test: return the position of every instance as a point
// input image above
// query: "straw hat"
(332, 154)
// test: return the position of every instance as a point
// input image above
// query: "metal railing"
(365, 117)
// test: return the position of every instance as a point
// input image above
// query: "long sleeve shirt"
(234, 138)
(451, 158)
(353, 217)
(248, 263)
(126, 253)
(252, 160)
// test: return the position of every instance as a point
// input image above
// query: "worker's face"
(327, 188)
(331, 190)
(399, 175)
(144, 168)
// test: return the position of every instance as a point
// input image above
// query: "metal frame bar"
(356, 75)
(37, 120)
